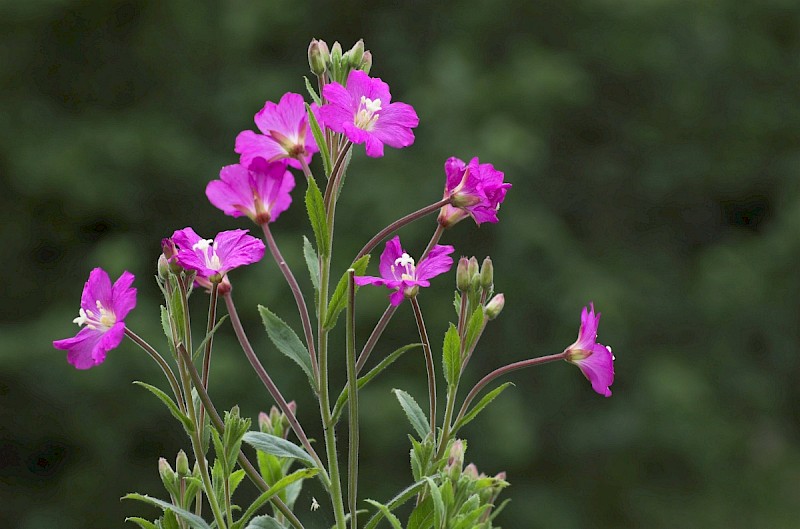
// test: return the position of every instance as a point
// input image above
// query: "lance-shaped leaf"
(363, 381)
(209, 335)
(414, 413)
(399, 499)
(264, 522)
(339, 298)
(489, 397)
(287, 341)
(275, 489)
(312, 92)
(439, 512)
(474, 327)
(192, 519)
(312, 262)
(451, 355)
(319, 138)
(170, 404)
(141, 522)
(316, 214)
(277, 446)
(386, 513)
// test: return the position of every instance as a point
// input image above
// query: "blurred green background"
(654, 151)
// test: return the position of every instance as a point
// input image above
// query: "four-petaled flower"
(284, 133)
(595, 360)
(363, 111)
(476, 190)
(399, 271)
(213, 258)
(102, 314)
(260, 190)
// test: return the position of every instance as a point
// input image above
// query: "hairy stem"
(426, 347)
(212, 317)
(352, 382)
(173, 382)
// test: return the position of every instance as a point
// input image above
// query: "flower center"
(209, 249)
(366, 116)
(406, 266)
(100, 319)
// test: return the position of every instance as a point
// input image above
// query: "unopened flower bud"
(366, 62)
(168, 248)
(462, 275)
(264, 423)
(336, 53)
(473, 268)
(495, 306)
(356, 54)
(182, 464)
(487, 274)
(163, 267)
(471, 471)
(455, 460)
(166, 473)
(318, 57)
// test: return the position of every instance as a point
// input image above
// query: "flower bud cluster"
(332, 64)
(276, 423)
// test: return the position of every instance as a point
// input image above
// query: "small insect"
(314, 504)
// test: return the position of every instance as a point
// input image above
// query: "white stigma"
(102, 319)
(209, 249)
(366, 116)
(408, 266)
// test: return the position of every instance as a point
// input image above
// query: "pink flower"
(398, 270)
(103, 309)
(595, 360)
(365, 114)
(213, 258)
(477, 190)
(260, 190)
(284, 133)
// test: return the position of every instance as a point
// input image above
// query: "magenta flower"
(103, 309)
(476, 190)
(398, 270)
(260, 190)
(595, 360)
(365, 114)
(284, 133)
(213, 258)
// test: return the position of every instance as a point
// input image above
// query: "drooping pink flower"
(477, 190)
(102, 314)
(595, 360)
(398, 270)
(259, 190)
(284, 133)
(363, 111)
(213, 258)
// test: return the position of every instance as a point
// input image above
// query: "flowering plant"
(347, 108)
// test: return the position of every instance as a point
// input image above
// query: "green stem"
(426, 347)
(212, 319)
(173, 382)
(245, 463)
(375, 336)
(255, 363)
(452, 390)
(500, 371)
(352, 382)
(396, 225)
(332, 189)
(228, 510)
(296, 292)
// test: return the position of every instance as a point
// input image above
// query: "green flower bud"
(473, 268)
(356, 54)
(318, 57)
(487, 274)
(495, 306)
(166, 473)
(182, 464)
(455, 460)
(336, 53)
(462, 275)
(366, 62)
(163, 267)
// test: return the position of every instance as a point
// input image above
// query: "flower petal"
(232, 192)
(437, 262)
(124, 296)
(235, 248)
(97, 288)
(250, 145)
(390, 254)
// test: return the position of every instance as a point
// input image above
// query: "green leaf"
(264, 522)
(414, 413)
(170, 521)
(451, 355)
(287, 341)
(457, 303)
(141, 522)
(312, 262)
(315, 206)
(386, 513)
(399, 499)
(209, 335)
(312, 92)
(165, 324)
(275, 489)
(177, 315)
(192, 519)
(474, 328)
(277, 446)
(319, 138)
(422, 515)
(375, 371)
(339, 298)
(489, 397)
(170, 404)
(439, 512)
